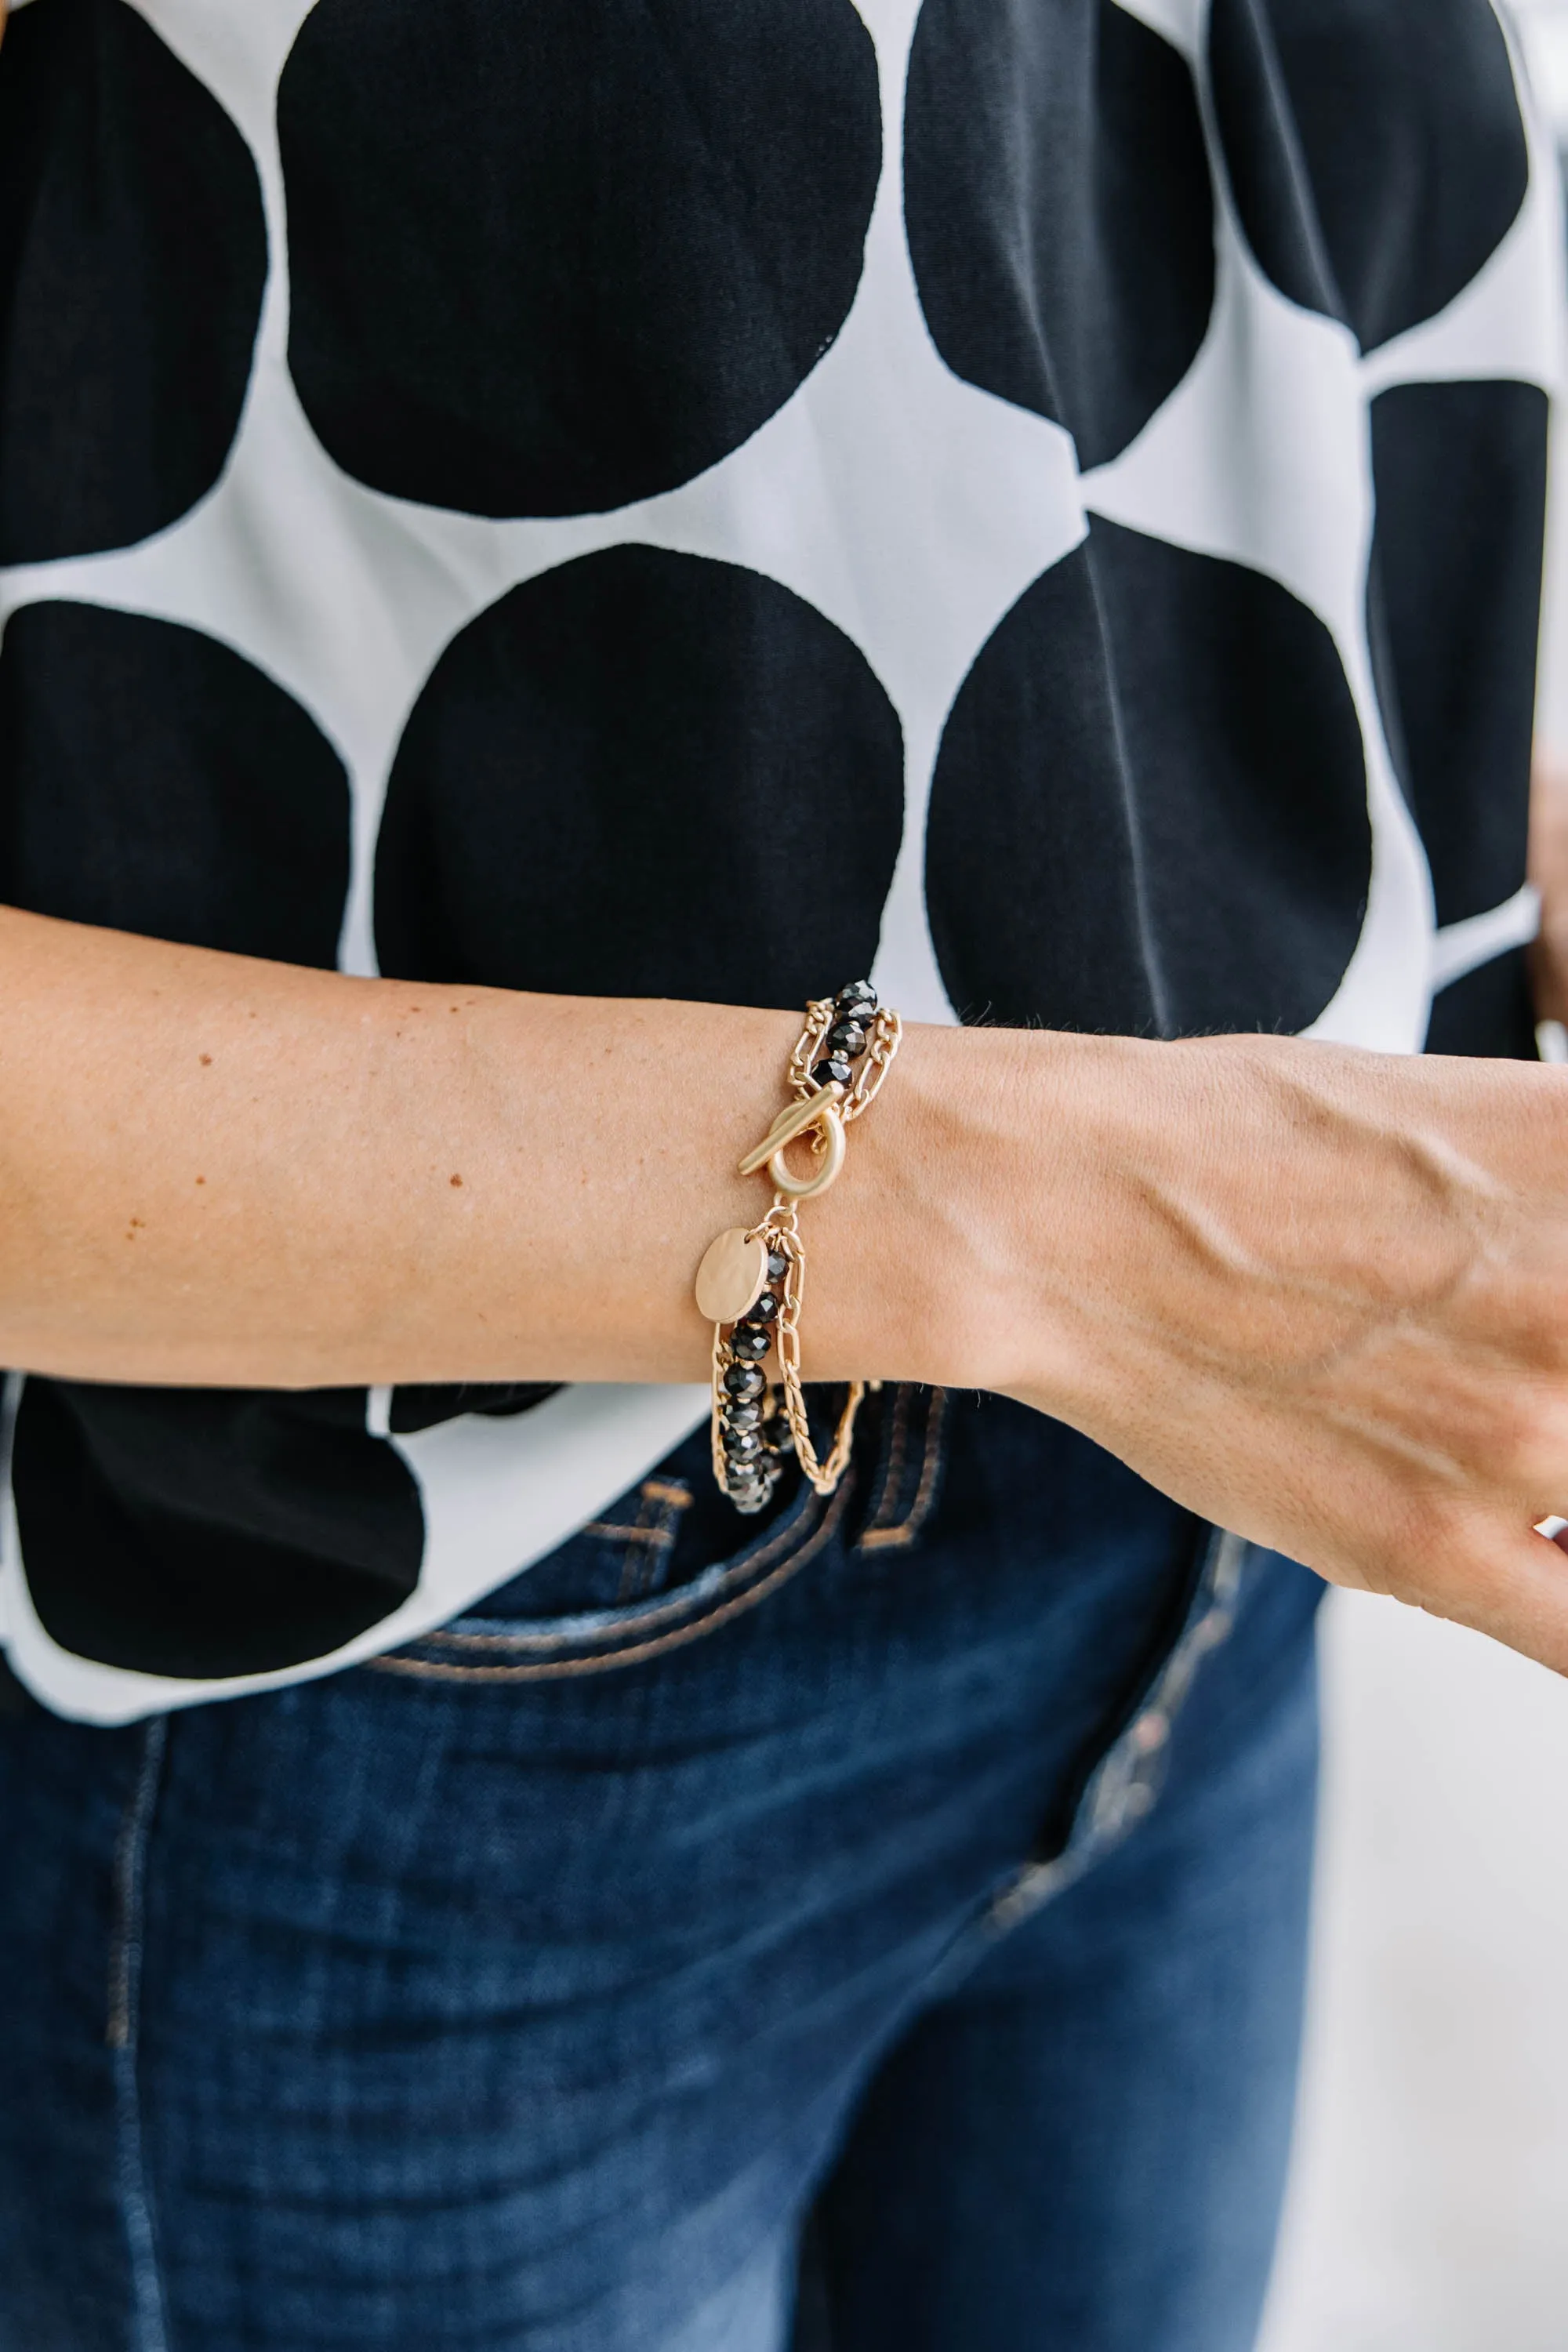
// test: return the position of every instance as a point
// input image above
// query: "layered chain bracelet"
(750, 1284)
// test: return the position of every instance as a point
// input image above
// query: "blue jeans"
(886, 1936)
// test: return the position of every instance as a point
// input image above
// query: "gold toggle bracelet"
(753, 1282)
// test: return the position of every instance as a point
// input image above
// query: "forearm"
(218, 1170)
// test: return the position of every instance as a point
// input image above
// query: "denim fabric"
(923, 1883)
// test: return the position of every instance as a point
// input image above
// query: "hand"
(1319, 1295)
(1549, 872)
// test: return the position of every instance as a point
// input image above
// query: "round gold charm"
(733, 1274)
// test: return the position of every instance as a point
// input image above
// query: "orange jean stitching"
(747, 1565)
(662, 1531)
(638, 1570)
(431, 1670)
(898, 1441)
(882, 1538)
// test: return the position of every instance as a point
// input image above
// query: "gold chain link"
(886, 1033)
(779, 1230)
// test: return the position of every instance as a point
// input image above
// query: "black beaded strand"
(749, 1429)
(854, 1009)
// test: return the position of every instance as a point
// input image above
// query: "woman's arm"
(1321, 1297)
(217, 1170)
(214, 1169)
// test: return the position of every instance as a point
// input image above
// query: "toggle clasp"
(820, 1110)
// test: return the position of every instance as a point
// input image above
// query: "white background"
(1429, 2207)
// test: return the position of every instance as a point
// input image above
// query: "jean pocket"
(659, 1569)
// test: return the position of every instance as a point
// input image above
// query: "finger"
(1511, 1587)
(1548, 959)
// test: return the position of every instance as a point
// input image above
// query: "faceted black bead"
(835, 1067)
(859, 999)
(751, 1339)
(778, 1265)
(764, 1310)
(744, 1382)
(847, 1037)
(743, 1416)
(777, 1434)
(742, 1445)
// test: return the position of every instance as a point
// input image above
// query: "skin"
(1549, 872)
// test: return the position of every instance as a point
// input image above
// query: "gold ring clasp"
(830, 1143)
(819, 1110)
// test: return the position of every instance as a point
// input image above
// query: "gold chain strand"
(779, 1230)
(723, 1359)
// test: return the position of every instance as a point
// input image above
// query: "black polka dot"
(133, 258)
(1460, 476)
(1150, 804)
(1375, 147)
(643, 774)
(209, 1533)
(1060, 208)
(153, 781)
(550, 260)
(422, 1406)
(1032, 886)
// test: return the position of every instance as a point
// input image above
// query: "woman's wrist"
(946, 1254)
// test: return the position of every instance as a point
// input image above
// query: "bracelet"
(755, 1282)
